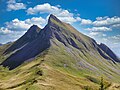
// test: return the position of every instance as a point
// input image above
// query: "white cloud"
(78, 19)
(43, 8)
(7, 35)
(104, 35)
(101, 18)
(115, 38)
(98, 29)
(116, 26)
(37, 21)
(102, 21)
(13, 5)
(11, 1)
(112, 40)
(94, 33)
(106, 21)
(17, 24)
(86, 22)
(4, 30)
(67, 19)
(14, 35)
(62, 14)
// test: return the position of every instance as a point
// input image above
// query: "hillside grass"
(49, 74)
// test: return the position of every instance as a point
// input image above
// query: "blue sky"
(99, 19)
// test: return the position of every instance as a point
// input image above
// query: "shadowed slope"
(28, 37)
(109, 52)
(29, 45)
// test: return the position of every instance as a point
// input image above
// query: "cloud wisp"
(4, 31)
(19, 25)
(13, 5)
(99, 29)
(102, 23)
(46, 8)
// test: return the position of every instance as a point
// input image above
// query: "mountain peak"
(34, 25)
(29, 36)
(53, 17)
(33, 29)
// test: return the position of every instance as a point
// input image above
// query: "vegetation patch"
(92, 79)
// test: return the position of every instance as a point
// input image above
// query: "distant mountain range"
(61, 47)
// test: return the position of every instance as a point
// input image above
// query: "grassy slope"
(52, 78)
(2, 49)
(55, 76)
(91, 60)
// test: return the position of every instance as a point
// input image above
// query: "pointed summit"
(52, 19)
(33, 31)
(52, 16)
(34, 26)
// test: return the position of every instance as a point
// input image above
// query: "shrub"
(101, 84)
(39, 72)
